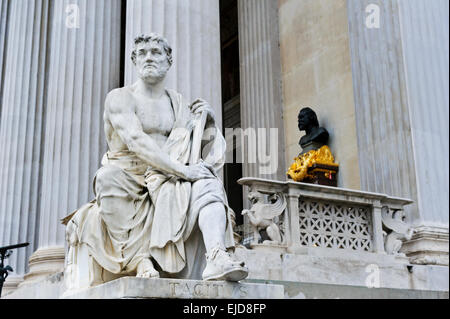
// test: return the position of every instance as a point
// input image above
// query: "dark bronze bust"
(315, 164)
(316, 136)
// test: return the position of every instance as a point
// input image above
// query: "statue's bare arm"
(120, 113)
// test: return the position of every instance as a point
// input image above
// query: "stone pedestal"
(132, 287)
(319, 286)
(339, 267)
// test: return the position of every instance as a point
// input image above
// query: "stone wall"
(316, 72)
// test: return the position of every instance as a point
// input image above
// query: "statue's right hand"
(198, 171)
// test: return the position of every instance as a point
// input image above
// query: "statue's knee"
(105, 177)
(210, 184)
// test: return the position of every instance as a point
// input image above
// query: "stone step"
(304, 290)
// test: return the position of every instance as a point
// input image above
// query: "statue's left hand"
(200, 105)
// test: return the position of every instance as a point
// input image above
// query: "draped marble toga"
(140, 212)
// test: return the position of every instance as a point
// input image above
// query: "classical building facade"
(375, 71)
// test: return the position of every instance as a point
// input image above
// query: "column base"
(428, 246)
(11, 284)
(44, 262)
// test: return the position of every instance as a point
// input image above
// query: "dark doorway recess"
(231, 112)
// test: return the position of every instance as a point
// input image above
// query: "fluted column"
(21, 126)
(84, 65)
(382, 114)
(260, 80)
(425, 41)
(4, 4)
(400, 76)
(193, 31)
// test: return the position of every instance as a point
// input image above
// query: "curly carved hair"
(149, 38)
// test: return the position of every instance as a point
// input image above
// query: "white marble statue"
(158, 201)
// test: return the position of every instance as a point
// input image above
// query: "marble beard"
(147, 216)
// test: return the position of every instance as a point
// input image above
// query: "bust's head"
(307, 119)
(152, 56)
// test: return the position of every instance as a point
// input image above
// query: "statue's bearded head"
(152, 56)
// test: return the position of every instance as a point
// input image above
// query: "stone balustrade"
(289, 216)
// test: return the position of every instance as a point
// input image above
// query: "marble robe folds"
(140, 212)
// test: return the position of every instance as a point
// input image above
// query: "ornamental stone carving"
(265, 216)
(306, 216)
(395, 230)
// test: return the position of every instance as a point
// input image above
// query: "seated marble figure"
(155, 214)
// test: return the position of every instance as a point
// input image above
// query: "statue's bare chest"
(156, 116)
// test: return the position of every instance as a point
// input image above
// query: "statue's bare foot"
(220, 265)
(145, 269)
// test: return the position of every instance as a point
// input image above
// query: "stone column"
(425, 42)
(260, 91)
(84, 65)
(4, 5)
(260, 78)
(382, 113)
(400, 76)
(193, 31)
(23, 40)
